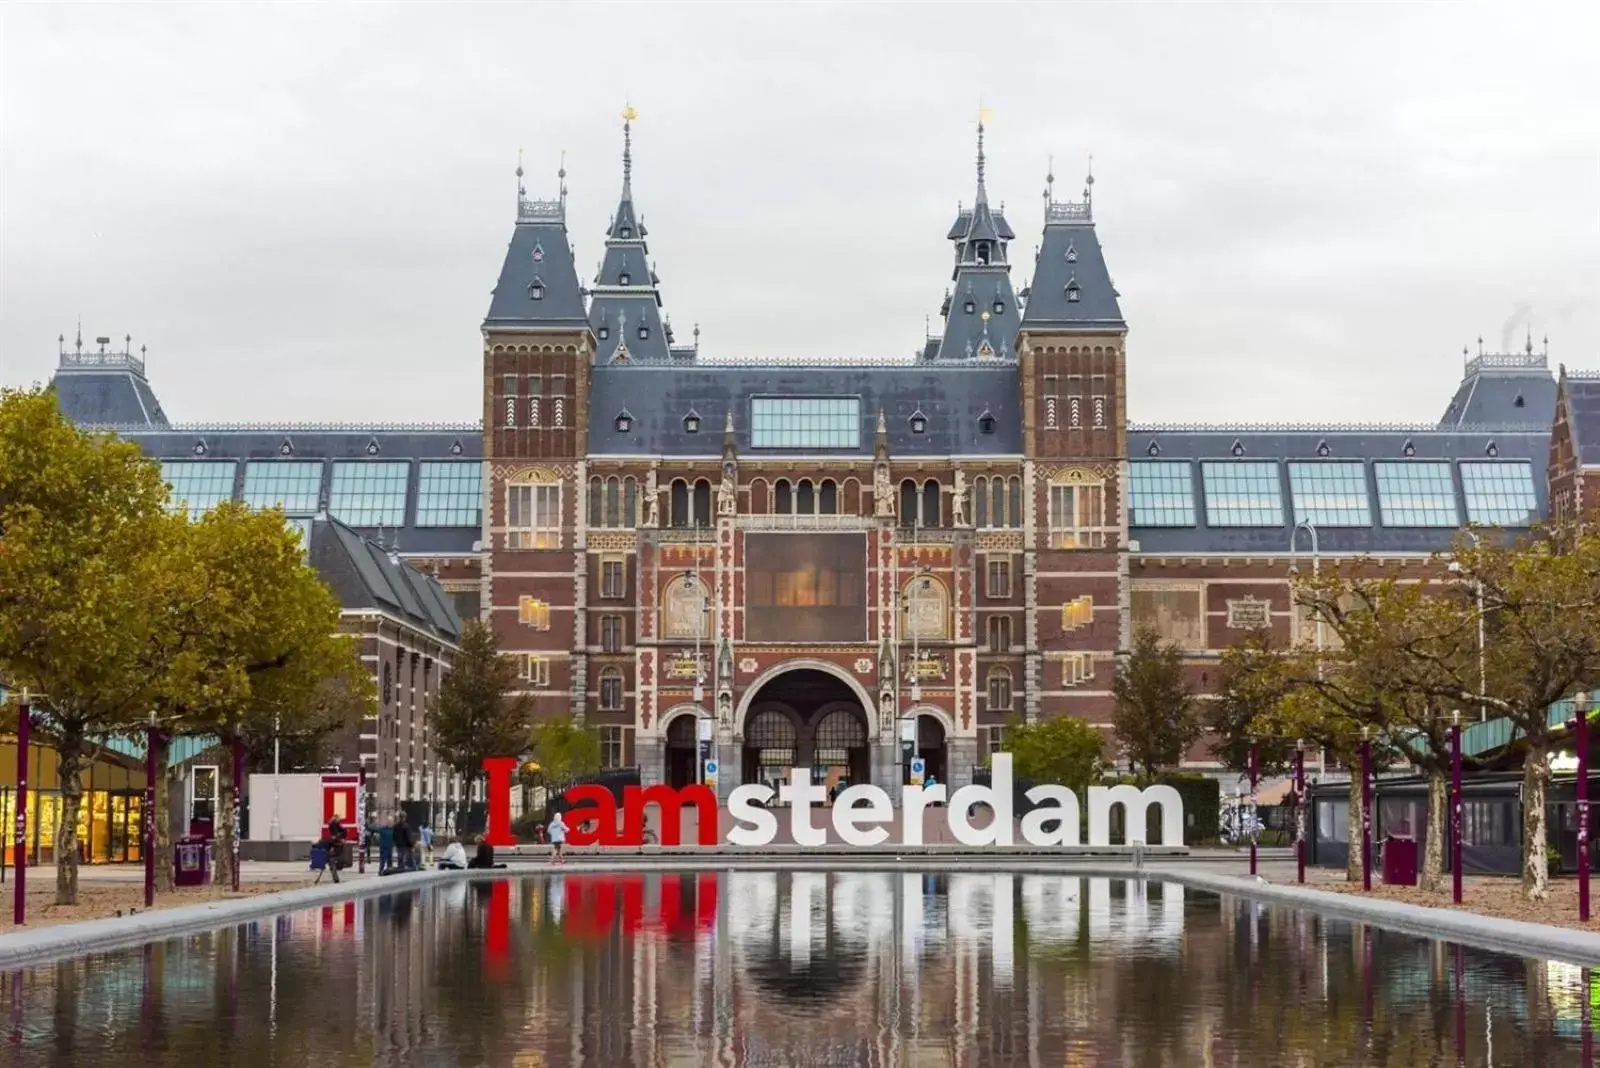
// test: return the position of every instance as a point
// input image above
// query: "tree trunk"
(1438, 824)
(222, 855)
(1352, 868)
(69, 751)
(1535, 838)
(163, 814)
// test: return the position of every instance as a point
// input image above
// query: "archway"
(682, 752)
(932, 749)
(806, 717)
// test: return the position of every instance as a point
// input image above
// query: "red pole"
(1255, 777)
(238, 794)
(361, 818)
(1301, 811)
(1582, 739)
(150, 818)
(1455, 810)
(19, 907)
(1366, 814)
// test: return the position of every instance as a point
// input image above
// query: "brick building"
(816, 558)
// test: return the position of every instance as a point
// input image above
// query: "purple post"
(1301, 811)
(1587, 1014)
(150, 818)
(1455, 812)
(1366, 814)
(1255, 777)
(238, 793)
(1582, 739)
(19, 908)
(361, 818)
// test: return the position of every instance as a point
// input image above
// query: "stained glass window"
(370, 493)
(293, 485)
(805, 422)
(1418, 494)
(1162, 493)
(449, 493)
(1330, 493)
(1243, 493)
(1499, 494)
(200, 485)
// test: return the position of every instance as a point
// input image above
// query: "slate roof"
(1583, 413)
(106, 388)
(1070, 257)
(364, 576)
(538, 261)
(1232, 444)
(954, 399)
(1504, 388)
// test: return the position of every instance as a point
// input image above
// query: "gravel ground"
(98, 900)
(1492, 897)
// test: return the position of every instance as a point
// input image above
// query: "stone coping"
(1514, 937)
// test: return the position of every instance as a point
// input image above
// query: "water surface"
(796, 969)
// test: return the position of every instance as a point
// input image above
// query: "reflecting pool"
(797, 968)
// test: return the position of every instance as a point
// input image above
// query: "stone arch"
(868, 705)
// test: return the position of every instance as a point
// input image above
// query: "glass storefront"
(110, 825)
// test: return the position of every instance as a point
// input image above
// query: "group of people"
(400, 850)
(399, 847)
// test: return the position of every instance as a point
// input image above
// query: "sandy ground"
(1488, 896)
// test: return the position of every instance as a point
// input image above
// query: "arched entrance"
(683, 752)
(806, 717)
(931, 748)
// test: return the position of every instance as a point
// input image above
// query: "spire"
(538, 283)
(983, 194)
(628, 115)
(983, 315)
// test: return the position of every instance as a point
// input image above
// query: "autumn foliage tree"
(1156, 719)
(480, 713)
(1064, 750)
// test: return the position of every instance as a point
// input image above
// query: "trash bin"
(191, 858)
(1399, 861)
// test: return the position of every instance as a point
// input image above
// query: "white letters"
(997, 796)
(1063, 814)
(799, 792)
(847, 819)
(758, 826)
(916, 798)
(1134, 804)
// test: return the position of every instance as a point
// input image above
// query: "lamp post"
(1580, 704)
(277, 823)
(1300, 809)
(1366, 811)
(1483, 671)
(1316, 566)
(1255, 820)
(19, 906)
(150, 772)
(1455, 808)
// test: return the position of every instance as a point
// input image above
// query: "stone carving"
(725, 708)
(863, 666)
(652, 501)
(684, 609)
(748, 665)
(882, 492)
(927, 610)
(958, 501)
(727, 494)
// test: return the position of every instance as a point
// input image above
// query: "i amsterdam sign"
(860, 814)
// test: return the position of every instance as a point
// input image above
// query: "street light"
(1316, 566)
(1483, 674)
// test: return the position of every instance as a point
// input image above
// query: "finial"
(1088, 185)
(983, 118)
(127, 339)
(521, 190)
(142, 350)
(727, 424)
(628, 115)
(1529, 348)
(883, 424)
(79, 342)
(697, 336)
(1480, 344)
(561, 181)
(1050, 182)
(1547, 344)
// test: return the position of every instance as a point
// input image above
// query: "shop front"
(110, 818)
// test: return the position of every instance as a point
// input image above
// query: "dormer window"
(983, 252)
(691, 422)
(626, 231)
(986, 423)
(1072, 293)
(1072, 253)
(536, 290)
(624, 421)
(1492, 451)
(603, 333)
(999, 307)
(644, 333)
(919, 422)
(969, 307)
(624, 278)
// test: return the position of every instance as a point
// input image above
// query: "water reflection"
(803, 968)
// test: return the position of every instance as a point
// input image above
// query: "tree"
(1155, 718)
(1061, 749)
(1249, 690)
(480, 714)
(565, 750)
(81, 534)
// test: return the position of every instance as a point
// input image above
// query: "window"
(927, 609)
(969, 307)
(805, 498)
(534, 395)
(611, 690)
(999, 578)
(534, 670)
(920, 505)
(449, 493)
(999, 307)
(986, 423)
(1243, 494)
(782, 497)
(999, 633)
(534, 613)
(1174, 614)
(1077, 669)
(603, 333)
(533, 516)
(613, 502)
(510, 391)
(644, 333)
(702, 503)
(624, 278)
(1420, 494)
(930, 503)
(997, 502)
(1330, 493)
(1072, 294)
(1161, 494)
(805, 422)
(1499, 494)
(613, 578)
(613, 746)
(1077, 515)
(370, 493)
(995, 741)
(610, 634)
(293, 485)
(1078, 612)
(536, 290)
(999, 687)
(678, 510)
(200, 485)
(828, 498)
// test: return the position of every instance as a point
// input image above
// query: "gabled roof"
(1582, 391)
(363, 575)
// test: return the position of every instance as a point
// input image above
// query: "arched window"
(930, 503)
(596, 497)
(613, 501)
(1016, 501)
(980, 502)
(999, 689)
(851, 504)
(805, 498)
(611, 690)
(908, 503)
(702, 503)
(828, 498)
(679, 515)
(782, 499)
(997, 505)
(759, 501)
(630, 502)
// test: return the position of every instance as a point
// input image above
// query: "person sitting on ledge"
(484, 858)
(454, 859)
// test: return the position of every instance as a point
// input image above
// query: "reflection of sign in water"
(919, 769)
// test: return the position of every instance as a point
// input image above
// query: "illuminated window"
(449, 493)
(1078, 612)
(805, 422)
(199, 485)
(1499, 494)
(533, 515)
(293, 485)
(1077, 515)
(611, 690)
(999, 689)
(1330, 493)
(1242, 494)
(1161, 493)
(1420, 494)
(370, 493)
(534, 613)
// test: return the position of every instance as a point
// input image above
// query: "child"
(558, 836)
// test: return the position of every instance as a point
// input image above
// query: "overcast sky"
(301, 209)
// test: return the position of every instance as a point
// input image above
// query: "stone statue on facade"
(882, 492)
(652, 500)
(727, 494)
(958, 501)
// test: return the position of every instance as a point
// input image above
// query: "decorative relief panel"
(612, 541)
(1249, 613)
(863, 666)
(999, 541)
(685, 605)
(927, 609)
(748, 665)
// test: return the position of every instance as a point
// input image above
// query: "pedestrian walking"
(385, 848)
(425, 836)
(405, 857)
(557, 829)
